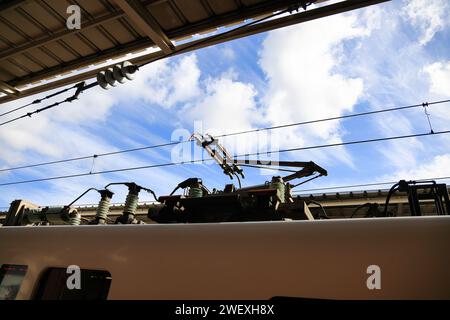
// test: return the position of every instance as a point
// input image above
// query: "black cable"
(321, 207)
(37, 101)
(174, 190)
(220, 136)
(358, 208)
(80, 88)
(203, 160)
(345, 143)
(101, 172)
(305, 181)
(389, 195)
(335, 118)
(80, 196)
(238, 179)
(92, 156)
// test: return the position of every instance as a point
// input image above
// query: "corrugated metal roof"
(36, 45)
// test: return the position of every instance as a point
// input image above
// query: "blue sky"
(393, 54)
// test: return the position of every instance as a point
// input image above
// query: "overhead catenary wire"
(81, 87)
(237, 156)
(90, 156)
(222, 136)
(339, 117)
(37, 101)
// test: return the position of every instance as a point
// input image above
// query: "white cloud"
(439, 74)
(163, 82)
(430, 16)
(300, 65)
(226, 106)
(392, 66)
(436, 167)
(228, 53)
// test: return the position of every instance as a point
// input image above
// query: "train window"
(11, 276)
(93, 285)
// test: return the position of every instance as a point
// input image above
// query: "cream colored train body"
(325, 259)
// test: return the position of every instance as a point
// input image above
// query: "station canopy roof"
(39, 53)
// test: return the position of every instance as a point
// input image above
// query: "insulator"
(75, 218)
(195, 193)
(128, 70)
(102, 80)
(102, 209)
(131, 203)
(117, 73)
(109, 77)
(278, 184)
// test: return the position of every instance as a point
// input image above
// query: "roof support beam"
(63, 32)
(41, 41)
(10, 4)
(7, 89)
(142, 19)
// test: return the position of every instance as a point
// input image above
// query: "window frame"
(7, 269)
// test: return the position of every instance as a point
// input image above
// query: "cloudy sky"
(389, 55)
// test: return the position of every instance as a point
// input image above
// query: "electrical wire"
(81, 87)
(220, 136)
(388, 198)
(205, 160)
(37, 101)
(90, 157)
(337, 118)
(305, 181)
(359, 208)
(93, 173)
(417, 135)
(324, 216)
